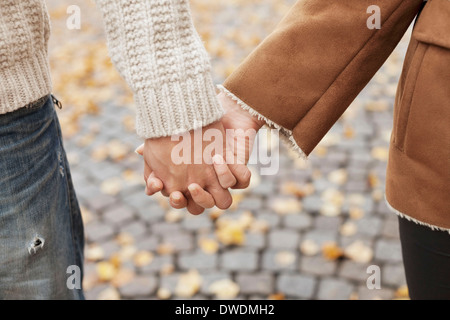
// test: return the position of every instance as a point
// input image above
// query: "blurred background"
(309, 232)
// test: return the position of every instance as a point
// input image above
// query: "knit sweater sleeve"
(158, 52)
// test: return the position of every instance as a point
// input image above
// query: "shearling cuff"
(286, 134)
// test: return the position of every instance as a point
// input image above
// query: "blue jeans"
(41, 230)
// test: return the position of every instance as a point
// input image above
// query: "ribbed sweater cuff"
(24, 82)
(177, 107)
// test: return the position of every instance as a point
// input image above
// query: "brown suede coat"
(322, 54)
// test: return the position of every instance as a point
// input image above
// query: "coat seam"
(413, 95)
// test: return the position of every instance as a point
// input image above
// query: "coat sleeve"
(158, 52)
(305, 74)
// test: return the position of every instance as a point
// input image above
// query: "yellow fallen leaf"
(167, 269)
(188, 284)
(231, 233)
(106, 271)
(402, 292)
(94, 253)
(338, 176)
(286, 206)
(143, 258)
(173, 216)
(380, 153)
(284, 258)
(208, 246)
(359, 252)
(163, 294)
(165, 248)
(259, 226)
(331, 251)
(224, 289)
(111, 186)
(309, 247)
(123, 277)
(109, 294)
(348, 229)
(124, 239)
(356, 213)
(276, 296)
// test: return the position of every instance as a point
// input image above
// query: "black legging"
(426, 256)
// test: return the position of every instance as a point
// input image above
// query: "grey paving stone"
(195, 223)
(197, 260)
(327, 223)
(334, 289)
(369, 225)
(259, 283)
(181, 241)
(99, 202)
(165, 228)
(169, 282)
(271, 260)
(148, 242)
(109, 248)
(354, 271)
(151, 213)
(365, 239)
(283, 239)
(140, 286)
(157, 263)
(118, 215)
(239, 260)
(317, 266)
(296, 286)
(388, 250)
(320, 236)
(137, 229)
(97, 231)
(393, 275)
(367, 205)
(312, 203)
(297, 221)
(265, 188)
(255, 240)
(93, 294)
(251, 203)
(390, 227)
(270, 217)
(356, 186)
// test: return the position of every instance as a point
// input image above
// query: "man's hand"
(242, 128)
(192, 177)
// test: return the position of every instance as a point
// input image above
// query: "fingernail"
(136, 151)
(154, 185)
(176, 197)
(192, 190)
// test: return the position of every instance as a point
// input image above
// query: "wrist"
(232, 106)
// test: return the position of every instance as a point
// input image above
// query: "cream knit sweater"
(152, 43)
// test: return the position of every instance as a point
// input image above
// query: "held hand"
(243, 127)
(188, 175)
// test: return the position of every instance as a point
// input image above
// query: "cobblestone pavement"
(308, 232)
